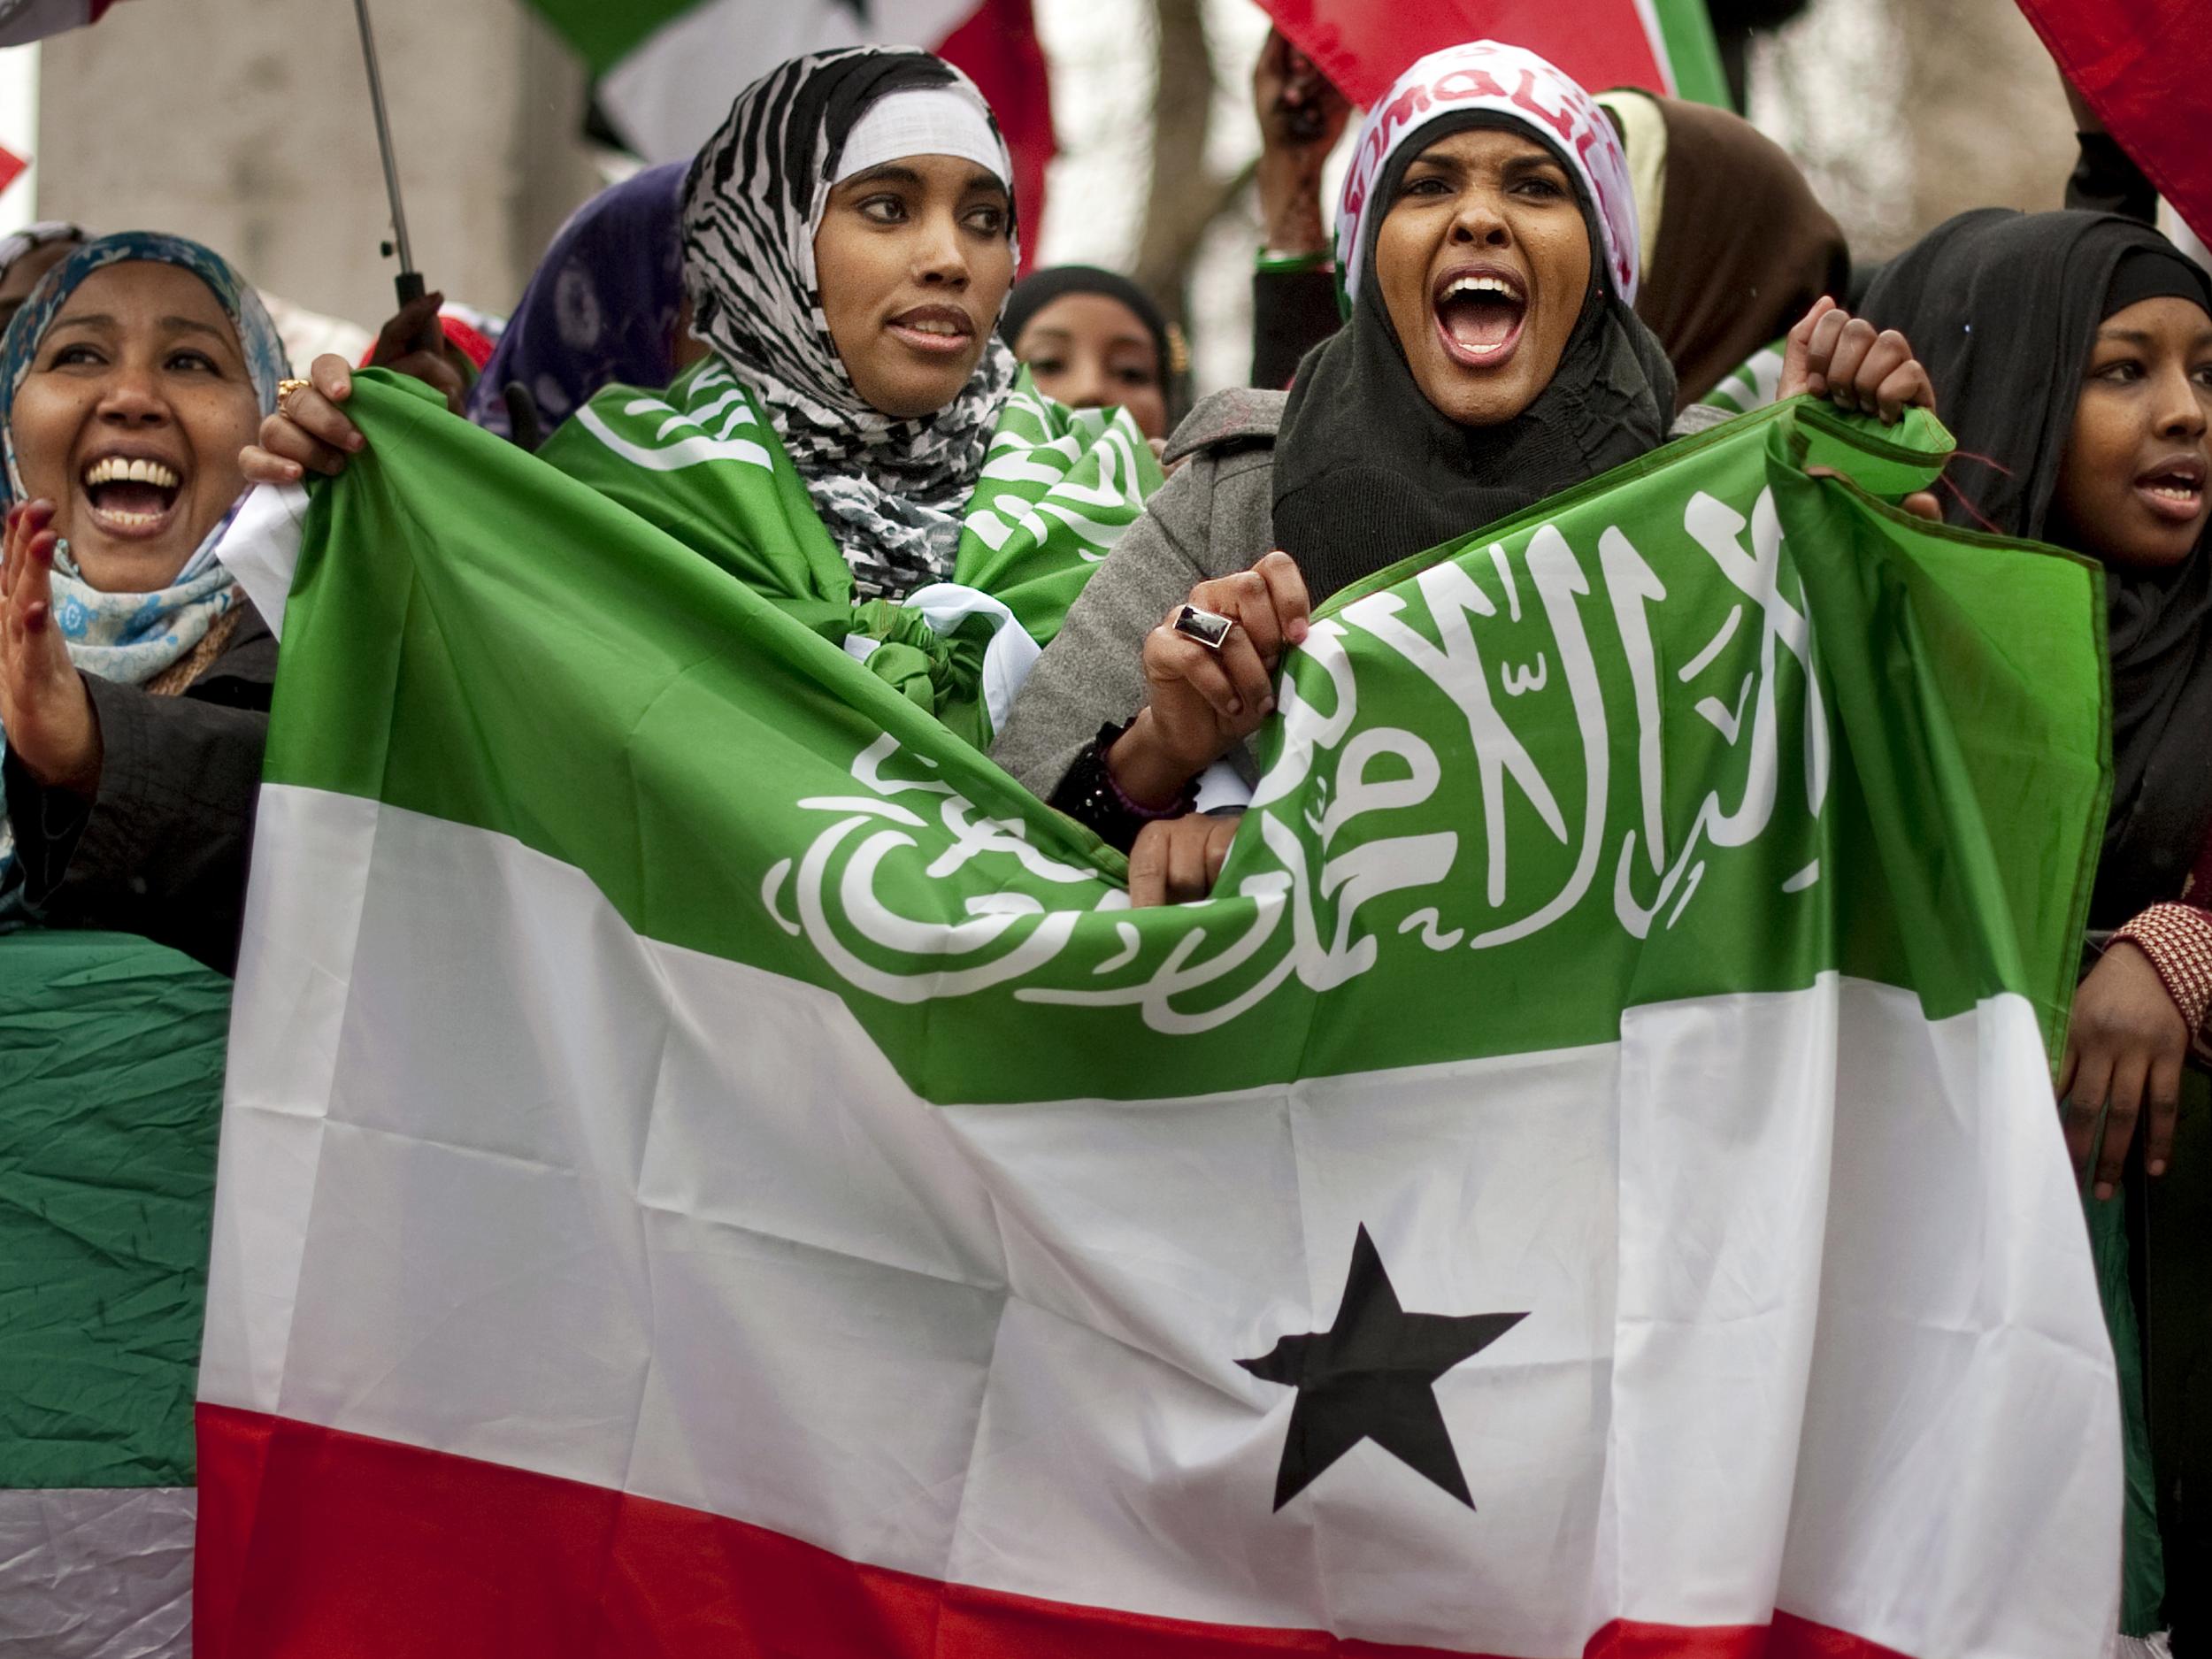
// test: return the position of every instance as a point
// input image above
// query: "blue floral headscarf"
(130, 637)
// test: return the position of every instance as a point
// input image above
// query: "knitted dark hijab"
(1368, 471)
(2003, 309)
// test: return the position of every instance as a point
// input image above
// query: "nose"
(1084, 386)
(940, 260)
(132, 399)
(1478, 221)
(2181, 410)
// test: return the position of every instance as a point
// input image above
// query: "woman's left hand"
(47, 715)
(1844, 358)
(2126, 1044)
(1176, 860)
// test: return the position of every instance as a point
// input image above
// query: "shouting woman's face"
(131, 419)
(914, 259)
(1484, 262)
(2131, 485)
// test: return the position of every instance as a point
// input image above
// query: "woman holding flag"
(1488, 241)
(848, 244)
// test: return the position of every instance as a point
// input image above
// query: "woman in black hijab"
(1091, 339)
(1493, 357)
(2075, 354)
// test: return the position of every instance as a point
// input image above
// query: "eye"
(1427, 184)
(882, 210)
(2124, 372)
(79, 356)
(1541, 189)
(1133, 375)
(192, 363)
(989, 219)
(1048, 365)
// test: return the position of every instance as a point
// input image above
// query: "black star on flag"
(1370, 1377)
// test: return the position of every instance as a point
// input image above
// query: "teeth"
(114, 469)
(1480, 285)
(933, 326)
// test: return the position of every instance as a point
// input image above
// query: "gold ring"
(285, 388)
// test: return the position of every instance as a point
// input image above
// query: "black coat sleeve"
(160, 850)
(2106, 179)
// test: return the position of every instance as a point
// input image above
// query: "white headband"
(925, 121)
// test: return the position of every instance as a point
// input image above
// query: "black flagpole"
(410, 282)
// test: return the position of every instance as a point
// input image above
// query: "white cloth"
(927, 121)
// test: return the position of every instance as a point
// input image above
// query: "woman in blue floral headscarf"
(133, 676)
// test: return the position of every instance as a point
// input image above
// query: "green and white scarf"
(1059, 487)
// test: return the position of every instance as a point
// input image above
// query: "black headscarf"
(1039, 288)
(1368, 471)
(2003, 309)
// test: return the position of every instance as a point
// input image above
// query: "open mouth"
(131, 495)
(938, 329)
(2174, 489)
(1479, 313)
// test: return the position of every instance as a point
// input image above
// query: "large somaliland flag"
(710, 1166)
(669, 69)
(1663, 46)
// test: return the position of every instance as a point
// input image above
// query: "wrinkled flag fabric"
(710, 1165)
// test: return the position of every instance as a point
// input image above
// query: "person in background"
(604, 307)
(2075, 352)
(134, 677)
(1713, 295)
(1492, 358)
(28, 255)
(1093, 339)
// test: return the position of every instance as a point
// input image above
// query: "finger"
(407, 330)
(282, 438)
(321, 419)
(1820, 349)
(1240, 661)
(2085, 1102)
(1904, 387)
(332, 376)
(432, 369)
(1168, 656)
(2162, 1107)
(1287, 591)
(1219, 838)
(1923, 505)
(1148, 868)
(1187, 861)
(261, 466)
(1854, 341)
(1245, 600)
(1886, 354)
(2128, 1078)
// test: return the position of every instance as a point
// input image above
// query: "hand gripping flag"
(710, 1166)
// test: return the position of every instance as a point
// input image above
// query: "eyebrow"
(101, 320)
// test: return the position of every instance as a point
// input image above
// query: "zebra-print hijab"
(889, 490)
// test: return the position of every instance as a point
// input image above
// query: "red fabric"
(1363, 46)
(998, 48)
(2146, 68)
(319, 1544)
(463, 337)
(12, 166)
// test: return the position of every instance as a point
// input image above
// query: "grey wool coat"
(1214, 517)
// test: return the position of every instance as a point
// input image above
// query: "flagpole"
(408, 281)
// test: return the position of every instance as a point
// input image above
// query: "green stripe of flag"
(1693, 52)
(605, 34)
(474, 638)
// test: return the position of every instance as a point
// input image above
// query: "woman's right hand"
(308, 429)
(1201, 701)
(1301, 116)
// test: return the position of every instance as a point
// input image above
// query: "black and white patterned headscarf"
(890, 491)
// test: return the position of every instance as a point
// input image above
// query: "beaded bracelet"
(1270, 263)
(1089, 795)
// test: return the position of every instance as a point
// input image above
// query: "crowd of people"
(1503, 308)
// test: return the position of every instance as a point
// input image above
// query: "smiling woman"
(133, 676)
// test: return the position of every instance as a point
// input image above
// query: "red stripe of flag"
(319, 1544)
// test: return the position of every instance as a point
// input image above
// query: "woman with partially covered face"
(134, 677)
(848, 244)
(1487, 237)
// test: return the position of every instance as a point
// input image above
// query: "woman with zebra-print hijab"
(848, 244)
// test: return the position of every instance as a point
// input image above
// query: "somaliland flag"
(710, 1166)
(668, 70)
(1663, 46)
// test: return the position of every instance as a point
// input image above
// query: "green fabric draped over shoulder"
(701, 462)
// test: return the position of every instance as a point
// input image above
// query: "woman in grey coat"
(1492, 359)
